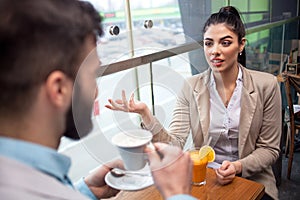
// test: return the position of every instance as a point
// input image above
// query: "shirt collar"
(240, 75)
(37, 156)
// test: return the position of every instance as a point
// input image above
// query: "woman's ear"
(242, 44)
(59, 89)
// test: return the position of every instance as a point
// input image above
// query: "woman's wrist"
(238, 167)
(146, 116)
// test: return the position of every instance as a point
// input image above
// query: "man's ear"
(59, 89)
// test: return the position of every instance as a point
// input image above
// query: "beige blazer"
(259, 129)
(19, 181)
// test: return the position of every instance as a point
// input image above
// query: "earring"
(240, 53)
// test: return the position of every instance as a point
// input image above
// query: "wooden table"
(240, 188)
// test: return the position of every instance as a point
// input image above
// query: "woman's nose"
(215, 50)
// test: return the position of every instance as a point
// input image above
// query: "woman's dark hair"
(38, 37)
(230, 16)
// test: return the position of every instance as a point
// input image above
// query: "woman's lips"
(217, 62)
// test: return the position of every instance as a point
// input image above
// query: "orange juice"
(199, 168)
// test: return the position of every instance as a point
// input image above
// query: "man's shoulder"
(19, 181)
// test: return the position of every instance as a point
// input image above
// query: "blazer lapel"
(248, 105)
(202, 98)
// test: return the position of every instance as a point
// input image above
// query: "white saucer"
(129, 182)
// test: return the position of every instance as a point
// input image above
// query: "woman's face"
(221, 47)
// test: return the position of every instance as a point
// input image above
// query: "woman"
(240, 109)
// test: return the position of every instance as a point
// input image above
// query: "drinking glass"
(199, 167)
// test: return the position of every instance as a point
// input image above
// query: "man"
(44, 48)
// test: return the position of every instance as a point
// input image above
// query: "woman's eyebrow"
(225, 37)
(222, 38)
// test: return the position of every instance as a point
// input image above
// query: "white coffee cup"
(131, 145)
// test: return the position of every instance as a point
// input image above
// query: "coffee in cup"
(131, 145)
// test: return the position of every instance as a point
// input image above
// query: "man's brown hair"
(38, 37)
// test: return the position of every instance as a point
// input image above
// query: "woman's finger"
(125, 102)
(116, 106)
(131, 99)
(119, 101)
(218, 174)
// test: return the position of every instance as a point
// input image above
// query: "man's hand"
(96, 183)
(171, 169)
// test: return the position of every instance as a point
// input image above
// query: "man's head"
(38, 38)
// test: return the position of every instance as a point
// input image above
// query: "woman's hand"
(227, 171)
(127, 106)
(131, 106)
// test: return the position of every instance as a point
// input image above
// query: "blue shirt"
(44, 159)
(50, 162)
(181, 197)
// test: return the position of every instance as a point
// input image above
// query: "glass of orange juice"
(200, 157)
(199, 167)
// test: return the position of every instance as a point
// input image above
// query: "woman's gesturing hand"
(127, 106)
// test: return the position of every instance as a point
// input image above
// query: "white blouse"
(224, 122)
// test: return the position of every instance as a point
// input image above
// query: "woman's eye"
(226, 43)
(208, 43)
